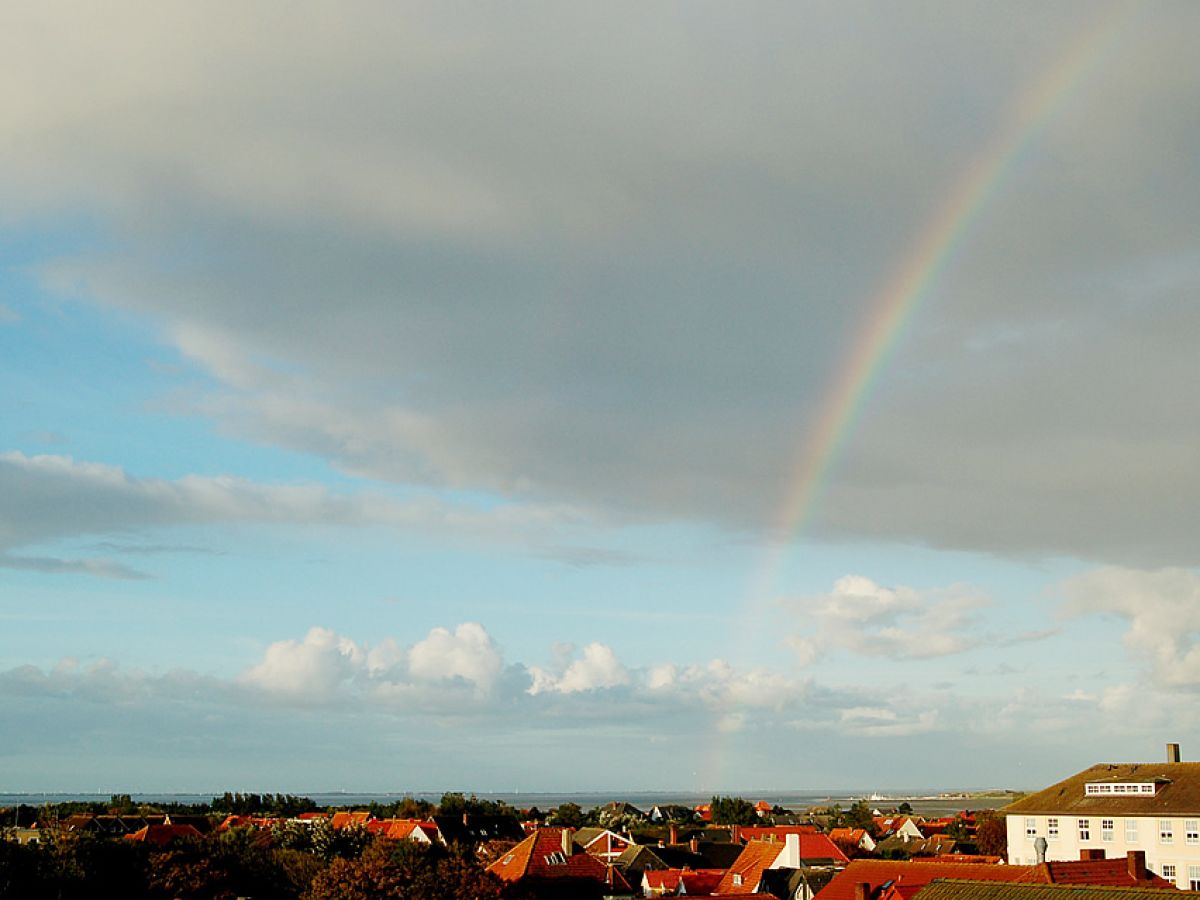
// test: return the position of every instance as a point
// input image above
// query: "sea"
(927, 803)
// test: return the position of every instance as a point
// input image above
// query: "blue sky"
(406, 398)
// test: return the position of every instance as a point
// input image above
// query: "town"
(1114, 831)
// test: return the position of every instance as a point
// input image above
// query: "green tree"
(569, 815)
(733, 811)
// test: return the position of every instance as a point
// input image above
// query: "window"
(1166, 832)
(1194, 878)
(1052, 828)
(1031, 828)
(1191, 831)
(1106, 829)
(1131, 831)
(737, 880)
(1168, 871)
(1094, 788)
(1085, 830)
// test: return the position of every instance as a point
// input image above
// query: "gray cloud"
(615, 257)
(44, 499)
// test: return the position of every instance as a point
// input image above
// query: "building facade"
(1111, 809)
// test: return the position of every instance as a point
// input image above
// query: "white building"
(1112, 808)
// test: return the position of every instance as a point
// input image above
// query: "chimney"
(674, 834)
(1172, 753)
(1040, 846)
(862, 890)
(1091, 853)
(1137, 864)
(734, 835)
(694, 845)
(790, 858)
(568, 844)
(466, 819)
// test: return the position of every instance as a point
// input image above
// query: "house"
(345, 819)
(681, 882)
(871, 879)
(898, 847)
(409, 830)
(745, 875)
(945, 889)
(1111, 809)
(900, 826)
(602, 843)
(858, 838)
(548, 863)
(470, 828)
(671, 812)
(161, 835)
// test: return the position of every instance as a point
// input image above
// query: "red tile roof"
(769, 832)
(906, 875)
(746, 872)
(541, 856)
(695, 882)
(813, 844)
(1110, 872)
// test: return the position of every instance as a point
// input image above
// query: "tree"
(404, 870)
(859, 816)
(905, 808)
(733, 811)
(991, 833)
(569, 815)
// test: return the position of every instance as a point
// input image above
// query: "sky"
(597, 396)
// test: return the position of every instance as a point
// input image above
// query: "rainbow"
(893, 306)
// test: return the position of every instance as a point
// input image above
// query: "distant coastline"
(922, 801)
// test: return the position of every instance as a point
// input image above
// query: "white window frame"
(1106, 829)
(1085, 830)
(1168, 871)
(1052, 828)
(1030, 827)
(1166, 831)
(1191, 831)
(1131, 831)
(1193, 878)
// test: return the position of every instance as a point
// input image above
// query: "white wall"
(1179, 852)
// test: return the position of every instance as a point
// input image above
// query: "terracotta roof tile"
(746, 872)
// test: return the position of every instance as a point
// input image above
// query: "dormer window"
(556, 859)
(1118, 788)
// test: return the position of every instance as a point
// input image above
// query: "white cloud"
(1161, 609)
(315, 669)
(469, 653)
(596, 669)
(869, 619)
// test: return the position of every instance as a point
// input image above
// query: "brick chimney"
(674, 834)
(862, 890)
(734, 834)
(1172, 753)
(1137, 864)
(568, 845)
(1091, 853)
